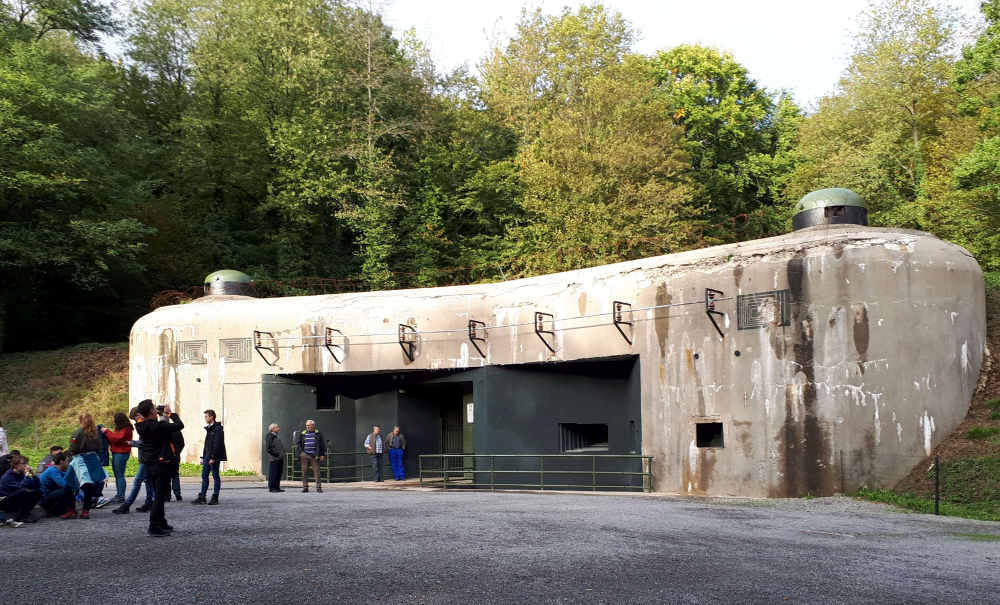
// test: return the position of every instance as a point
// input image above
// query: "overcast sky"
(798, 45)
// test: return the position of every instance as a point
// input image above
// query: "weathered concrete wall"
(876, 365)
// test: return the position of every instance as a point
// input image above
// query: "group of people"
(312, 452)
(66, 477)
(75, 475)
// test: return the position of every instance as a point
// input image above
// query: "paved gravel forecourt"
(352, 545)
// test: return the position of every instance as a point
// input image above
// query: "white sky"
(799, 45)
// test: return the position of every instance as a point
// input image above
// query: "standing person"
(3, 441)
(312, 451)
(375, 445)
(276, 458)
(86, 464)
(19, 491)
(141, 476)
(178, 440)
(212, 456)
(58, 490)
(121, 451)
(397, 445)
(157, 453)
(47, 461)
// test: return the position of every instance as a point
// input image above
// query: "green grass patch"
(992, 280)
(993, 403)
(969, 488)
(979, 537)
(983, 432)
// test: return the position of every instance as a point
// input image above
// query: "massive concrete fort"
(835, 356)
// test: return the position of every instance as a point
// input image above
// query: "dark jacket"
(11, 482)
(82, 442)
(388, 440)
(155, 437)
(274, 447)
(320, 443)
(215, 443)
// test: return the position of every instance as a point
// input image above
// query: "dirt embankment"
(42, 393)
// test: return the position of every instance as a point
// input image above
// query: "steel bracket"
(710, 296)
(408, 340)
(478, 334)
(336, 344)
(621, 315)
(258, 345)
(540, 319)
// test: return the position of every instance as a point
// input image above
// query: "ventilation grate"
(234, 350)
(763, 308)
(192, 351)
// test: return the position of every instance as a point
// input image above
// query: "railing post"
(444, 466)
(493, 486)
(593, 473)
(541, 468)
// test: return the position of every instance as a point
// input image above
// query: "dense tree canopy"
(302, 139)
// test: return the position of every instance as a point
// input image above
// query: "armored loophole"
(708, 434)
(833, 211)
(574, 438)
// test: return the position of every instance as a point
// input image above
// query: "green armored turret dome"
(830, 207)
(228, 281)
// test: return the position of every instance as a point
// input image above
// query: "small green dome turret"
(228, 281)
(833, 206)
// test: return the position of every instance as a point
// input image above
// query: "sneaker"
(319, 489)
(305, 490)
(168, 527)
(84, 514)
(215, 499)
(70, 514)
(144, 508)
(178, 498)
(12, 523)
(102, 502)
(157, 532)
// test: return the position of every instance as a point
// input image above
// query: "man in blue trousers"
(397, 445)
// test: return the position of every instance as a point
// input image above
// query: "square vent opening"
(708, 434)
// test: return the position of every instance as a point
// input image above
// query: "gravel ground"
(355, 545)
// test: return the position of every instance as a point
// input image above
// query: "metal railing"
(337, 466)
(538, 471)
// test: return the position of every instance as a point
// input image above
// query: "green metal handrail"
(293, 467)
(463, 476)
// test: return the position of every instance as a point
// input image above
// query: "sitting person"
(19, 491)
(58, 489)
(47, 461)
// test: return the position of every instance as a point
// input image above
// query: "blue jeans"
(118, 463)
(396, 459)
(214, 468)
(140, 478)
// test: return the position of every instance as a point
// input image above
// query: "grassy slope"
(42, 393)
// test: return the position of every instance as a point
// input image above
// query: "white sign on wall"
(468, 412)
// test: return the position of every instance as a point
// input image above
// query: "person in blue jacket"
(19, 491)
(58, 489)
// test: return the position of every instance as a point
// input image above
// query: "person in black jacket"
(276, 457)
(211, 457)
(178, 440)
(157, 453)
